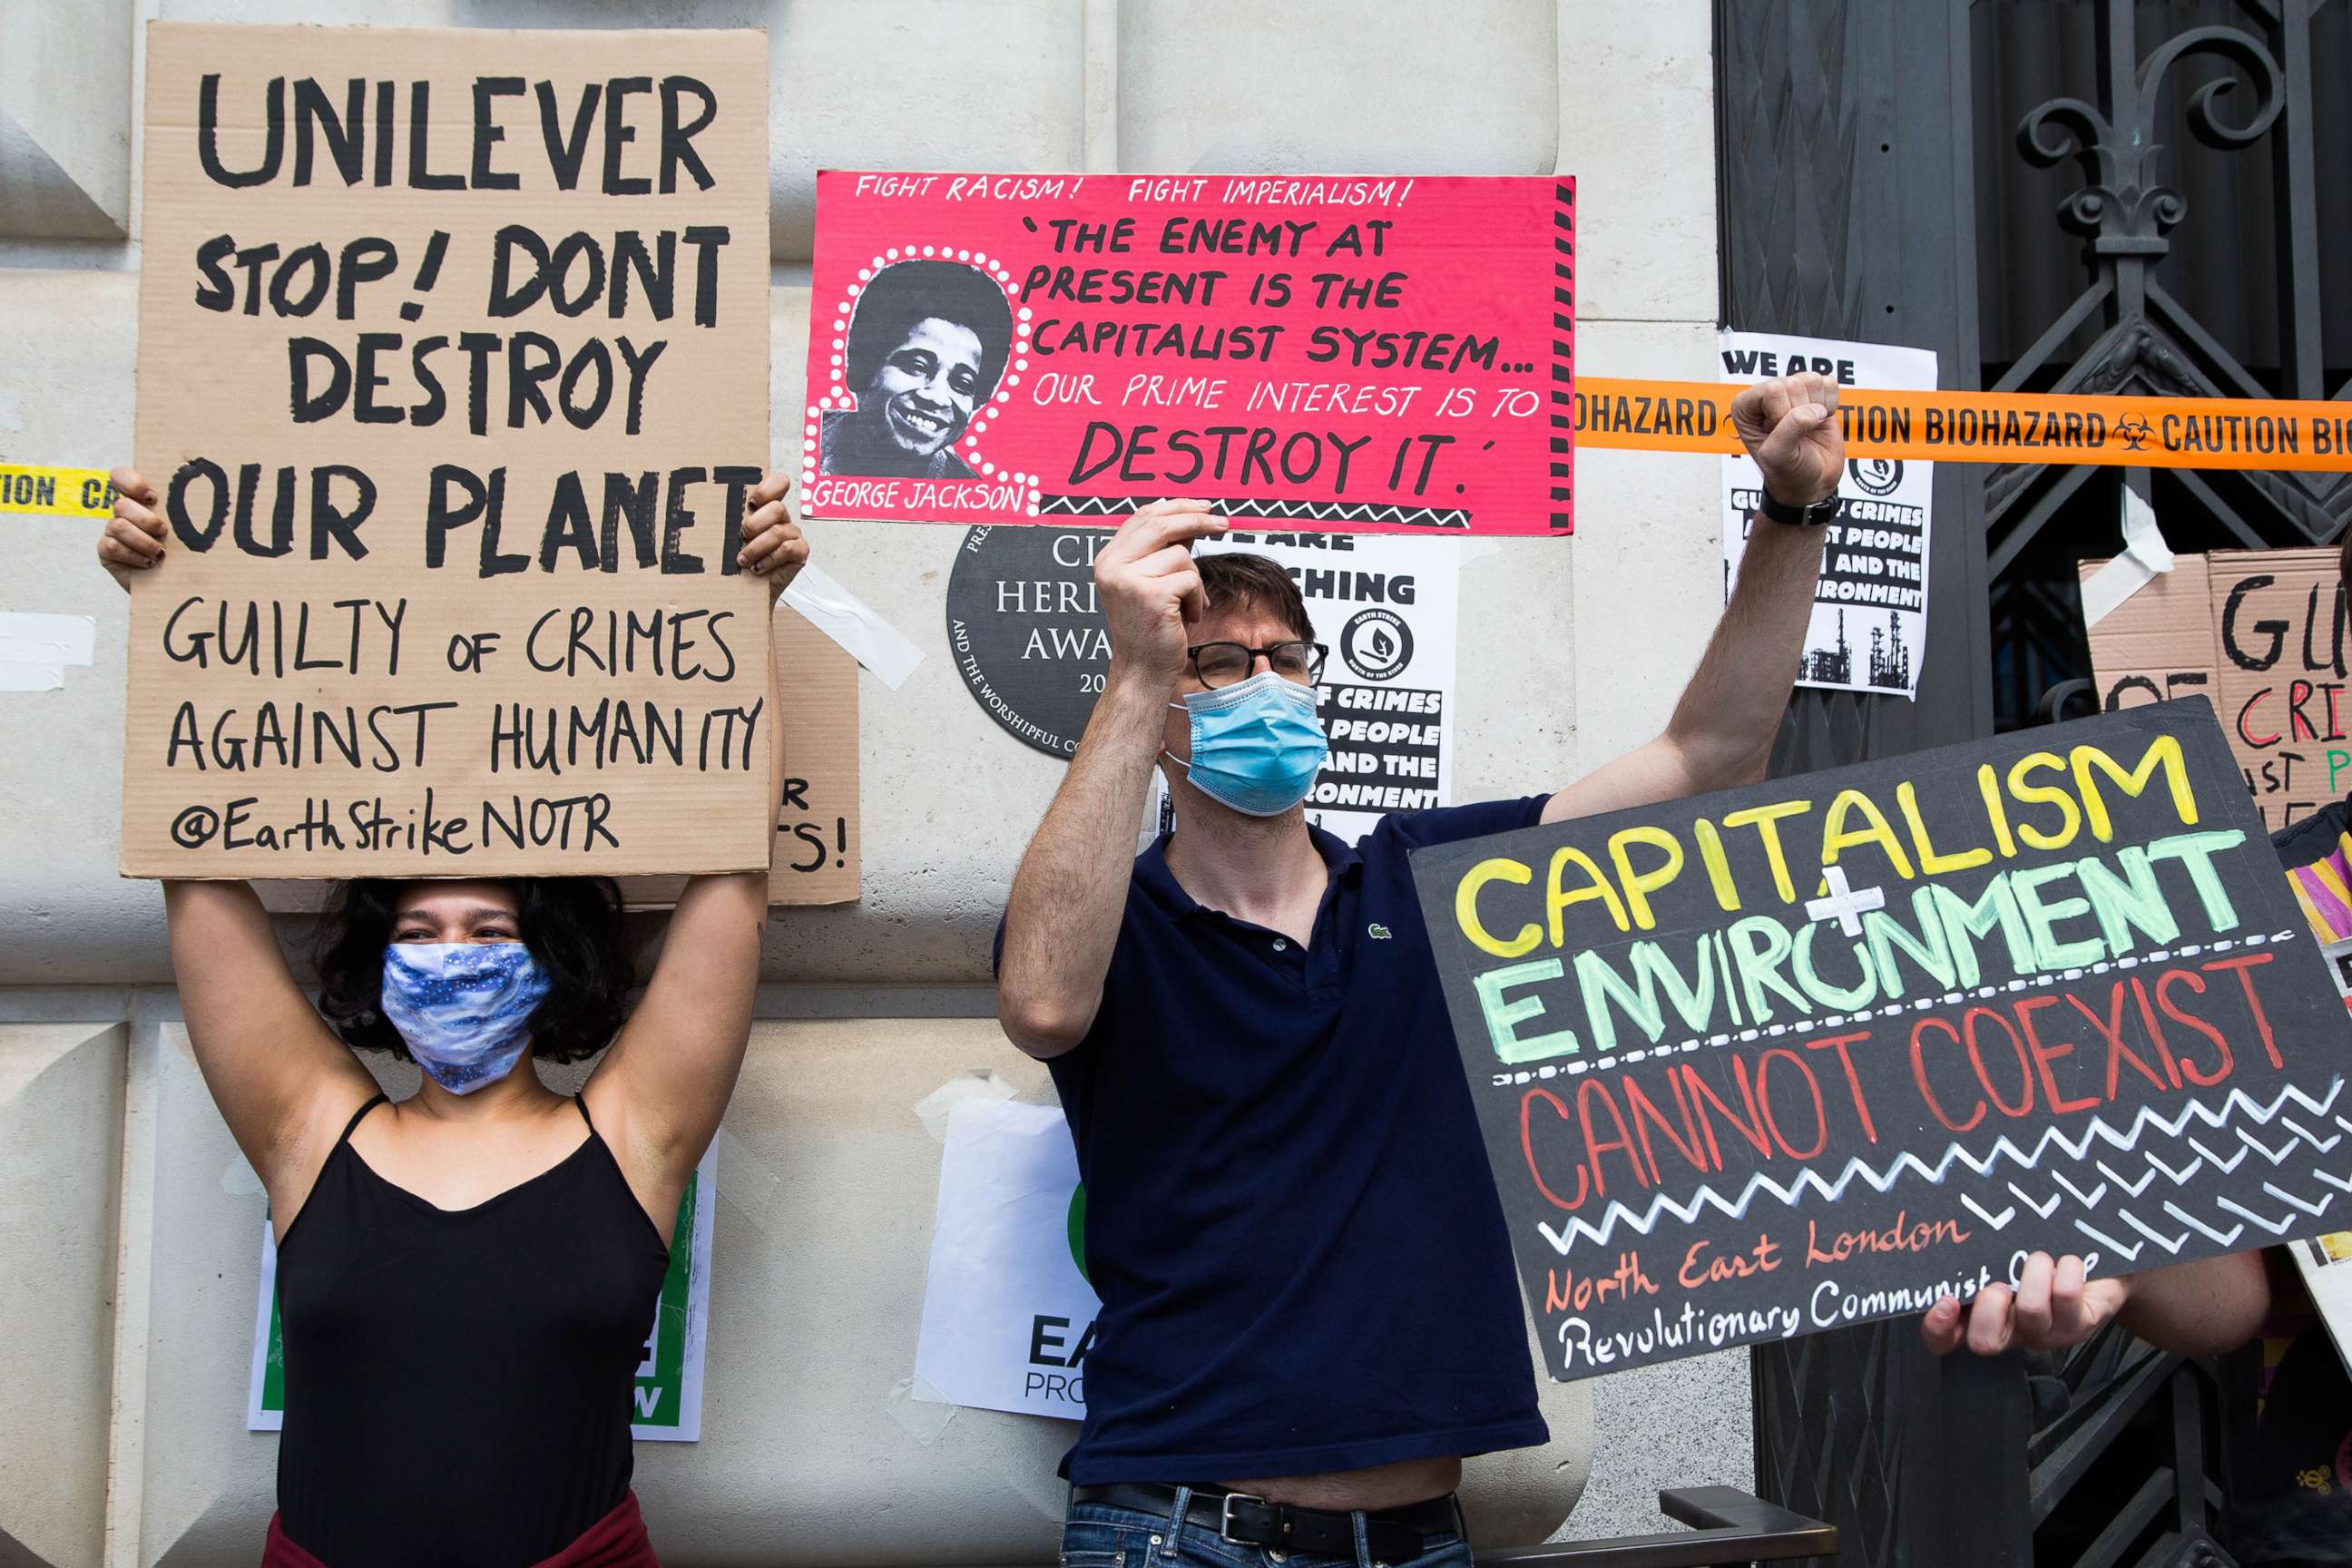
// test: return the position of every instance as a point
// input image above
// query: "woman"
(467, 1276)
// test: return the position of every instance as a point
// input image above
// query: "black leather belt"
(1394, 1534)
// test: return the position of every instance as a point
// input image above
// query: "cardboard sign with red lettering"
(2263, 633)
(1783, 1058)
(1345, 354)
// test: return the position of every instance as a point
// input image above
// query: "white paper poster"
(669, 1379)
(2325, 1263)
(1008, 1316)
(1389, 610)
(1870, 613)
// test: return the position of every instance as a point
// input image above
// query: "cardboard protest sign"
(2265, 632)
(1391, 355)
(1787, 1058)
(1870, 610)
(2158, 645)
(816, 857)
(2279, 622)
(453, 380)
(668, 1393)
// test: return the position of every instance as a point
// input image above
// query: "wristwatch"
(1774, 510)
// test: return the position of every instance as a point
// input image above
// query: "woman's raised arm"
(665, 1082)
(278, 1074)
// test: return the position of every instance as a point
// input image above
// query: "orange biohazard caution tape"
(56, 492)
(1989, 426)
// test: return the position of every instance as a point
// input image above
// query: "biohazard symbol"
(2134, 431)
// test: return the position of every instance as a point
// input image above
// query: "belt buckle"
(1225, 1518)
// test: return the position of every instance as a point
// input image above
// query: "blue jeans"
(1096, 1536)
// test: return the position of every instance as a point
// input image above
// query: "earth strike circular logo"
(1876, 476)
(1376, 643)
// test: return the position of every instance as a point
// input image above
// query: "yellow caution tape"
(56, 492)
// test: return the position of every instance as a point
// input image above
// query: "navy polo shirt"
(1290, 1218)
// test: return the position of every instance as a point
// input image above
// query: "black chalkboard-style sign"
(1788, 1058)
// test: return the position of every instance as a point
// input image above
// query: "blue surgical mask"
(1256, 744)
(464, 1007)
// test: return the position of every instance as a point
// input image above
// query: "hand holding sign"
(2052, 1306)
(134, 536)
(1150, 588)
(1790, 427)
(774, 546)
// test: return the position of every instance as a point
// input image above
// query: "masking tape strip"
(2146, 557)
(974, 1083)
(35, 649)
(745, 1182)
(1990, 426)
(919, 1408)
(849, 621)
(29, 490)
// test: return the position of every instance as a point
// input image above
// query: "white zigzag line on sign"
(1563, 1239)
(2308, 1136)
(2169, 1245)
(2305, 1204)
(2218, 1237)
(2131, 1254)
(2275, 1226)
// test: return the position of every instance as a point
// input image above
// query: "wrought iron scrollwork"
(2126, 208)
(2123, 205)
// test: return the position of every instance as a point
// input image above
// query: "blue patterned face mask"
(464, 1007)
(1256, 744)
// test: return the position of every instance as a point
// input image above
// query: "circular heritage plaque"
(1028, 638)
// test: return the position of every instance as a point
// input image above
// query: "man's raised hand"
(1790, 426)
(1148, 588)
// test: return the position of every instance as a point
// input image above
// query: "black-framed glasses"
(1216, 664)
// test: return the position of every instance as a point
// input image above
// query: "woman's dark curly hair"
(905, 294)
(572, 924)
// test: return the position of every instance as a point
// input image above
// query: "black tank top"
(459, 1384)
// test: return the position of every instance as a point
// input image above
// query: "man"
(926, 344)
(1310, 1314)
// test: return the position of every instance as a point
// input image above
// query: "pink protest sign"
(1340, 354)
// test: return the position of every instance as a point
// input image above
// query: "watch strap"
(1774, 510)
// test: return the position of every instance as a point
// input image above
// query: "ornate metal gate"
(2084, 196)
(2183, 147)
